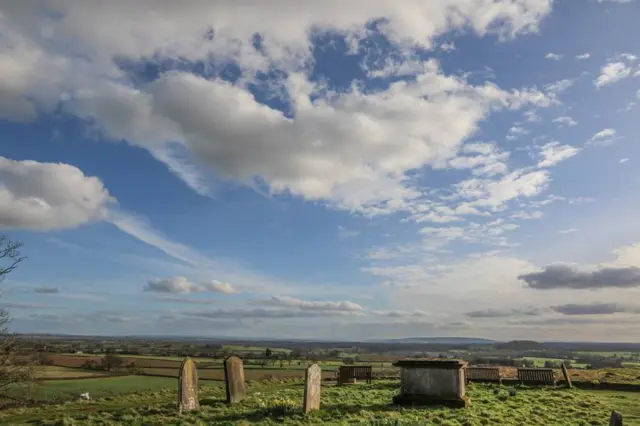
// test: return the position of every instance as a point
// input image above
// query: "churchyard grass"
(281, 403)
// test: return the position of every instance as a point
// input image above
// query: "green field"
(54, 372)
(270, 404)
(60, 390)
(241, 348)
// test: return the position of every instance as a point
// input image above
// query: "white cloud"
(583, 56)
(623, 160)
(532, 116)
(568, 231)
(318, 154)
(141, 230)
(515, 132)
(49, 196)
(553, 56)
(553, 153)
(184, 286)
(483, 158)
(559, 86)
(565, 121)
(448, 47)
(603, 137)
(495, 193)
(611, 73)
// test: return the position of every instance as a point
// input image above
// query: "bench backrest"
(536, 375)
(483, 374)
(359, 372)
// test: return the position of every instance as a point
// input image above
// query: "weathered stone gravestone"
(616, 419)
(234, 379)
(188, 386)
(565, 373)
(312, 384)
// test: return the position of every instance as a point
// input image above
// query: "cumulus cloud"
(562, 276)
(553, 153)
(183, 285)
(46, 290)
(316, 152)
(603, 137)
(49, 196)
(612, 72)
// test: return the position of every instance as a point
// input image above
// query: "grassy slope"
(360, 404)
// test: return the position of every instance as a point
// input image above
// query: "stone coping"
(431, 363)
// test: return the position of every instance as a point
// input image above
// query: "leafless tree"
(15, 367)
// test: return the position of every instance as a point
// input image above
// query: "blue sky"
(316, 170)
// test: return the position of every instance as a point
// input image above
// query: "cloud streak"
(184, 286)
(566, 277)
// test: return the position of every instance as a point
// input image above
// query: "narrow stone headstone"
(616, 419)
(234, 379)
(188, 386)
(312, 384)
(566, 375)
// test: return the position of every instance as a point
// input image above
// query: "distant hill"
(442, 340)
(520, 345)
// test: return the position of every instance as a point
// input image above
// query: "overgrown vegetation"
(280, 403)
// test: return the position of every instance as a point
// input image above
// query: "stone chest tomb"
(432, 382)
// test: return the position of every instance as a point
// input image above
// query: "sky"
(322, 170)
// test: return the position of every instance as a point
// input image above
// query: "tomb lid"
(431, 363)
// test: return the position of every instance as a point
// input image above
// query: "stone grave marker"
(188, 386)
(312, 384)
(616, 419)
(234, 379)
(565, 373)
(425, 382)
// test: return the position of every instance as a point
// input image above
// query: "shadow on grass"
(213, 402)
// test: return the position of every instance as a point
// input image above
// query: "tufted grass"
(280, 403)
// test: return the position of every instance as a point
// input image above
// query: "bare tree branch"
(16, 365)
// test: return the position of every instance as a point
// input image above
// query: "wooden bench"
(482, 374)
(536, 376)
(353, 373)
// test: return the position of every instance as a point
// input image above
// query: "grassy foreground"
(271, 404)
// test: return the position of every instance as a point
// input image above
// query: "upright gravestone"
(312, 384)
(565, 373)
(234, 379)
(188, 386)
(616, 419)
